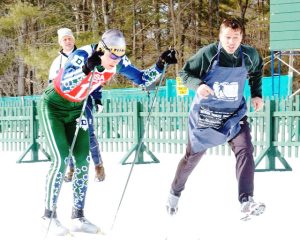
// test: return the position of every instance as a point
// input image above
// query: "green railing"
(121, 126)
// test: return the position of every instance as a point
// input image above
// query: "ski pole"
(140, 144)
(71, 148)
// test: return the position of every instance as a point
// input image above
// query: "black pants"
(243, 150)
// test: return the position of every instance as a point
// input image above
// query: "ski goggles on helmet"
(113, 56)
(115, 53)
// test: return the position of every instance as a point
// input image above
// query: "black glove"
(98, 105)
(168, 56)
(92, 61)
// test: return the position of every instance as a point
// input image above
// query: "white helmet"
(113, 40)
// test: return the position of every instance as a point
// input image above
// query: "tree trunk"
(157, 31)
(105, 12)
(77, 18)
(142, 44)
(134, 32)
(199, 27)
(94, 19)
(218, 12)
(210, 19)
(174, 26)
(243, 8)
(84, 22)
(21, 66)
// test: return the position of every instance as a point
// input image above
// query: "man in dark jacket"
(218, 113)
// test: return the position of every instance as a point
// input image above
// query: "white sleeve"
(56, 65)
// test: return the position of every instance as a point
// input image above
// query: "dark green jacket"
(200, 63)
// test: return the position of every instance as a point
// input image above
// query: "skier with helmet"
(87, 69)
(66, 40)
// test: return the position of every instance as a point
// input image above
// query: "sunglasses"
(114, 56)
(111, 55)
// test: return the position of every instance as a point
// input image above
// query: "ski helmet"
(113, 40)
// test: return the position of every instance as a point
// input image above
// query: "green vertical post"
(139, 127)
(270, 163)
(34, 146)
(271, 152)
(34, 133)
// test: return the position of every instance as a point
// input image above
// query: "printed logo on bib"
(211, 119)
(69, 82)
(77, 61)
(226, 91)
(83, 123)
(75, 89)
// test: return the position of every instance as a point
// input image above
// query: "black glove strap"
(85, 69)
(98, 101)
(160, 63)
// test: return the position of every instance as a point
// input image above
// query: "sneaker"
(55, 228)
(99, 173)
(250, 208)
(83, 225)
(172, 204)
(69, 175)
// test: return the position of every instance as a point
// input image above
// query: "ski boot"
(99, 173)
(52, 225)
(249, 208)
(81, 224)
(172, 203)
(69, 175)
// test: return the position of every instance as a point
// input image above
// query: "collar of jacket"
(62, 53)
(236, 54)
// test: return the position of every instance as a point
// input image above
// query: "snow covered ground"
(208, 208)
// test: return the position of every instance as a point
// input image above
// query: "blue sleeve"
(140, 77)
